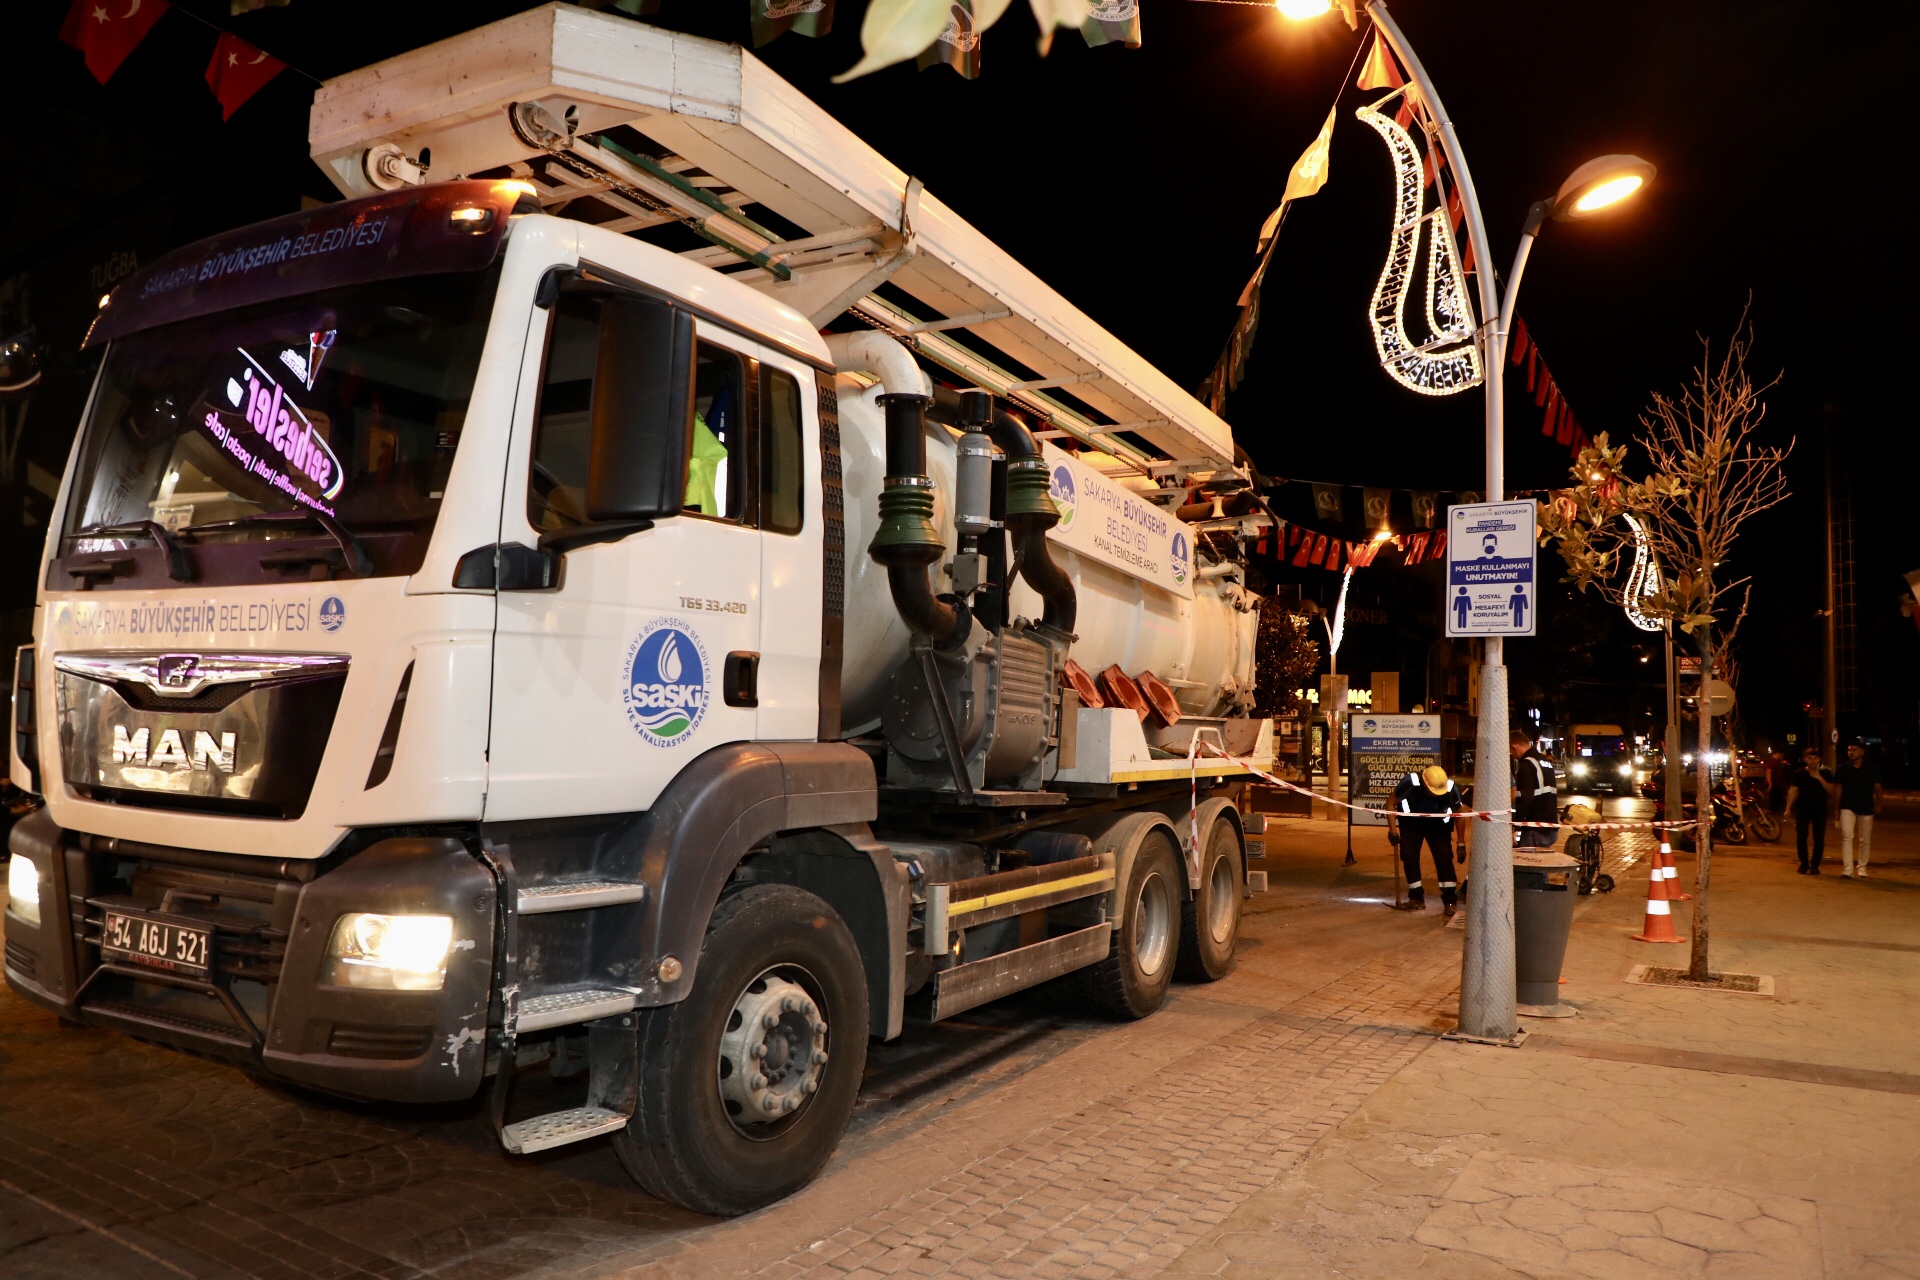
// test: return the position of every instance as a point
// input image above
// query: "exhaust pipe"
(906, 541)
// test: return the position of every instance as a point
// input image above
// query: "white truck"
(544, 608)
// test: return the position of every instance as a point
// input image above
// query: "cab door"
(613, 677)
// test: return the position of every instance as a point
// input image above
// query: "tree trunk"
(1698, 968)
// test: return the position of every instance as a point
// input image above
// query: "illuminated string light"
(1643, 580)
(1449, 361)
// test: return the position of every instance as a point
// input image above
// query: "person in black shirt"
(1423, 808)
(1807, 789)
(1534, 797)
(1859, 785)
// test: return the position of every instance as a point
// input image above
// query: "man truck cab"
(474, 640)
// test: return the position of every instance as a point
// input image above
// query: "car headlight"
(1579, 770)
(389, 953)
(23, 889)
(1626, 771)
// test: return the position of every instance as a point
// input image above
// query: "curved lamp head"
(1303, 10)
(1599, 185)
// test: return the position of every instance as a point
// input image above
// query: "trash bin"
(1544, 884)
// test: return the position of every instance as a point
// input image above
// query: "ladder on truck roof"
(635, 128)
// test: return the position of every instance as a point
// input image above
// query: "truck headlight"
(389, 953)
(1579, 770)
(23, 889)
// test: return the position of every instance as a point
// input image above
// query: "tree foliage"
(1707, 473)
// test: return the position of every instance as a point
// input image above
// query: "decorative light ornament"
(1338, 630)
(1449, 360)
(1643, 580)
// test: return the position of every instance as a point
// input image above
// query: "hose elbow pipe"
(1030, 513)
(906, 542)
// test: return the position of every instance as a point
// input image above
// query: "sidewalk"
(1299, 1118)
(1662, 1132)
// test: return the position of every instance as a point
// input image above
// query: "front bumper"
(263, 1003)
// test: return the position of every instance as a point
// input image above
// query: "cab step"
(577, 895)
(565, 1008)
(558, 1128)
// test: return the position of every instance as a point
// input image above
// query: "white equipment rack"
(529, 97)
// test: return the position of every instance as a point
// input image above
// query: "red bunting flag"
(1563, 426)
(106, 31)
(238, 71)
(1440, 545)
(1520, 344)
(1305, 553)
(1417, 547)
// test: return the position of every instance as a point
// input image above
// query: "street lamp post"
(1487, 992)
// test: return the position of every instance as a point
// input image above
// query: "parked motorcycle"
(1728, 828)
(1762, 822)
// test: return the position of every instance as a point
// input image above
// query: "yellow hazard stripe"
(966, 905)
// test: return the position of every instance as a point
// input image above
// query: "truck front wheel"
(747, 1084)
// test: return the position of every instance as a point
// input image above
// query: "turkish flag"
(106, 31)
(238, 71)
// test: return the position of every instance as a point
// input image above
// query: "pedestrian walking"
(1535, 798)
(1858, 781)
(1423, 807)
(1808, 790)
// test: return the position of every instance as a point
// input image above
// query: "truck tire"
(779, 982)
(1132, 981)
(1210, 919)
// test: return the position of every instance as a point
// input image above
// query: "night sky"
(1134, 181)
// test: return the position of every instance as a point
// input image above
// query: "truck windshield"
(348, 403)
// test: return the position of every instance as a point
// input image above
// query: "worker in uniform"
(1535, 797)
(1423, 807)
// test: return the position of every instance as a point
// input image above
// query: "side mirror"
(21, 359)
(641, 419)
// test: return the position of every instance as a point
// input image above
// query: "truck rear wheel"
(747, 1084)
(1132, 981)
(1210, 920)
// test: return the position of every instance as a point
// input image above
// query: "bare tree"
(1707, 475)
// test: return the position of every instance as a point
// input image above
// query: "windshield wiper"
(354, 554)
(179, 564)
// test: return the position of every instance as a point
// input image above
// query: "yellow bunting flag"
(1380, 71)
(1308, 175)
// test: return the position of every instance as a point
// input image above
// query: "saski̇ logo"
(1179, 557)
(666, 687)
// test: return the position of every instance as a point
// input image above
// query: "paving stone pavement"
(1298, 1119)
(1026, 1139)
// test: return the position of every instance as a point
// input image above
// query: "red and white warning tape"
(1194, 745)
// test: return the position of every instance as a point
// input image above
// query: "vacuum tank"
(1202, 647)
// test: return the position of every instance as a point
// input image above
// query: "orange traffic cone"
(1659, 926)
(1674, 891)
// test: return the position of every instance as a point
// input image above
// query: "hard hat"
(1436, 779)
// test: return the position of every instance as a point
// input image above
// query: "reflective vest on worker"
(1414, 803)
(1533, 779)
